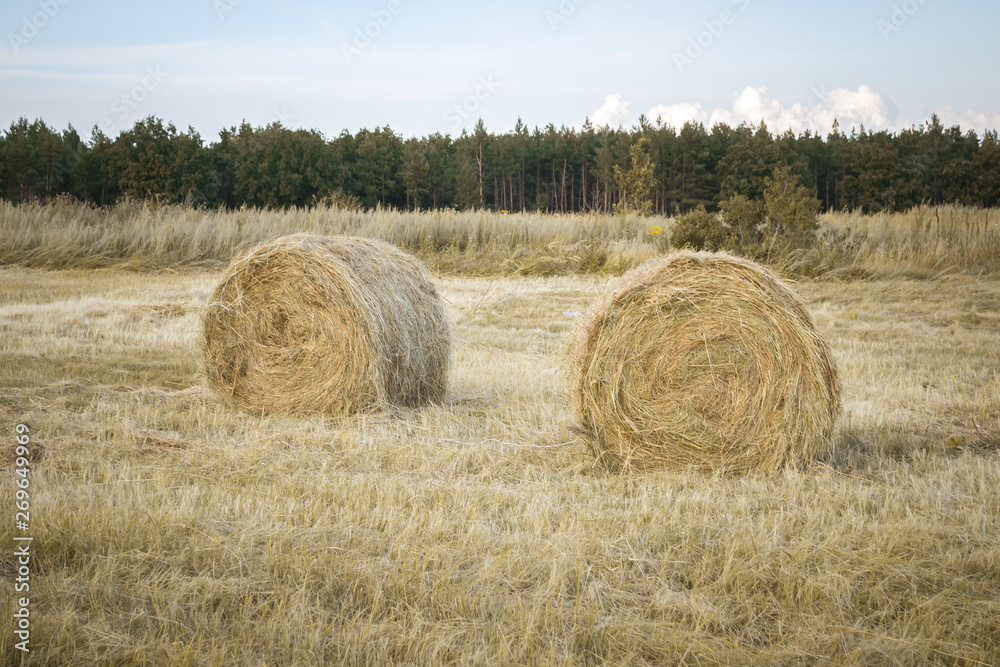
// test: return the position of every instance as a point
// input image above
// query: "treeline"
(550, 169)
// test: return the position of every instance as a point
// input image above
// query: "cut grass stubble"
(171, 529)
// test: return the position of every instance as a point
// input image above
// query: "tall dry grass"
(63, 234)
(923, 242)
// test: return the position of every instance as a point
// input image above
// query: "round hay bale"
(703, 360)
(313, 324)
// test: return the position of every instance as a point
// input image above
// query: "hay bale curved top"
(313, 324)
(703, 360)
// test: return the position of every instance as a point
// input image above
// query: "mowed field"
(170, 530)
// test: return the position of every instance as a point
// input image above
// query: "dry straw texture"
(313, 324)
(703, 360)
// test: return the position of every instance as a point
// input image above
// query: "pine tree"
(415, 170)
(636, 183)
(987, 166)
(791, 211)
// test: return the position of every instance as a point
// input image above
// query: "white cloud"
(612, 113)
(862, 107)
(676, 115)
(851, 108)
(970, 120)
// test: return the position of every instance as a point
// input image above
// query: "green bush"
(785, 221)
(637, 182)
(746, 220)
(701, 230)
(792, 213)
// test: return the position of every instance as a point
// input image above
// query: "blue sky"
(422, 66)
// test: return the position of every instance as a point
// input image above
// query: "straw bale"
(333, 325)
(703, 360)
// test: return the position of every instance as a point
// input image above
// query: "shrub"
(701, 230)
(785, 221)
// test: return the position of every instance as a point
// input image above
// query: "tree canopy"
(549, 169)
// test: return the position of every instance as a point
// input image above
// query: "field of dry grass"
(924, 242)
(170, 530)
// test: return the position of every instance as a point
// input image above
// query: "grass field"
(924, 242)
(169, 530)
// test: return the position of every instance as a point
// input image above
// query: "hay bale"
(312, 324)
(703, 360)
